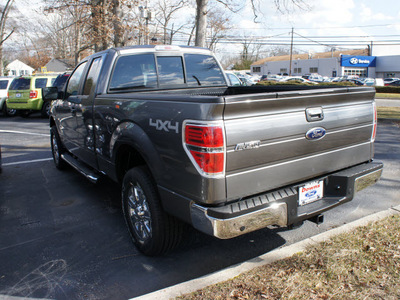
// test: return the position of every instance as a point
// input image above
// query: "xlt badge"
(247, 145)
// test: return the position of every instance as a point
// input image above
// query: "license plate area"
(311, 192)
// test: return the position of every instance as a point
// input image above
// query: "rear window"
(20, 84)
(203, 70)
(3, 84)
(170, 70)
(40, 83)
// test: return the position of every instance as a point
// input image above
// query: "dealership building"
(332, 64)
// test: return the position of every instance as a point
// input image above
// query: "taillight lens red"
(205, 145)
(33, 94)
(210, 163)
(203, 136)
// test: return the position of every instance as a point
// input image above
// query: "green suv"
(25, 94)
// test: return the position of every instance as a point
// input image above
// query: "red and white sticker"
(311, 192)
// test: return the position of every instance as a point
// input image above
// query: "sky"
(326, 23)
(317, 25)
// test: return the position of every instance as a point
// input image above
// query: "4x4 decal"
(164, 125)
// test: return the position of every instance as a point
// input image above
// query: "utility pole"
(291, 55)
(146, 14)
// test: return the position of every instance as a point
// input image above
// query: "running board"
(80, 167)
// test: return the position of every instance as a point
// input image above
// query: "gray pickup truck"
(188, 148)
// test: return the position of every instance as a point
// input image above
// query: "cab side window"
(92, 76)
(75, 79)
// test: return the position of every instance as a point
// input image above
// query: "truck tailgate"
(278, 139)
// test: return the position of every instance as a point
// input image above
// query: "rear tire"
(57, 149)
(153, 231)
(8, 112)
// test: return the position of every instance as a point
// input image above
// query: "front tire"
(152, 230)
(46, 109)
(57, 149)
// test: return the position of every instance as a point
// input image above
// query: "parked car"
(233, 79)
(297, 79)
(271, 77)
(246, 80)
(394, 83)
(387, 81)
(60, 80)
(355, 81)
(25, 94)
(4, 85)
(368, 81)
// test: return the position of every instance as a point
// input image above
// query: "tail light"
(33, 94)
(205, 145)
(375, 123)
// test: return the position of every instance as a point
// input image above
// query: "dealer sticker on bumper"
(311, 192)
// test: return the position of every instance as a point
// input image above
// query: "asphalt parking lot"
(62, 237)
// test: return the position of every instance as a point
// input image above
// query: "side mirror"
(50, 93)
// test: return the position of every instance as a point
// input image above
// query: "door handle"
(314, 114)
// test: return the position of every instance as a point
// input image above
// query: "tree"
(100, 23)
(201, 23)
(4, 10)
(202, 11)
(219, 24)
(165, 12)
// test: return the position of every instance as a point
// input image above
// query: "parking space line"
(23, 132)
(26, 162)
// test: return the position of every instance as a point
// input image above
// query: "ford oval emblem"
(315, 133)
(310, 194)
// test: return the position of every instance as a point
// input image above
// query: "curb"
(268, 258)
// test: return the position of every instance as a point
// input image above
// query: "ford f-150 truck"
(188, 148)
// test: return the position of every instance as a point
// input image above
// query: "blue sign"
(358, 61)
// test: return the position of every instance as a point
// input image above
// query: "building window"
(256, 69)
(360, 72)
(13, 73)
(390, 75)
(283, 70)
(313, 70)
(297, 70)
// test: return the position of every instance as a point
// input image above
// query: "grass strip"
(363, 264)
(389, 112)
(387, 96)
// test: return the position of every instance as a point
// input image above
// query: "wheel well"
(127, 158)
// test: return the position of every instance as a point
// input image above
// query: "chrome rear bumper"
(276, 214)
(281, 207)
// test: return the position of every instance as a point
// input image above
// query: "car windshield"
(20, 84)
